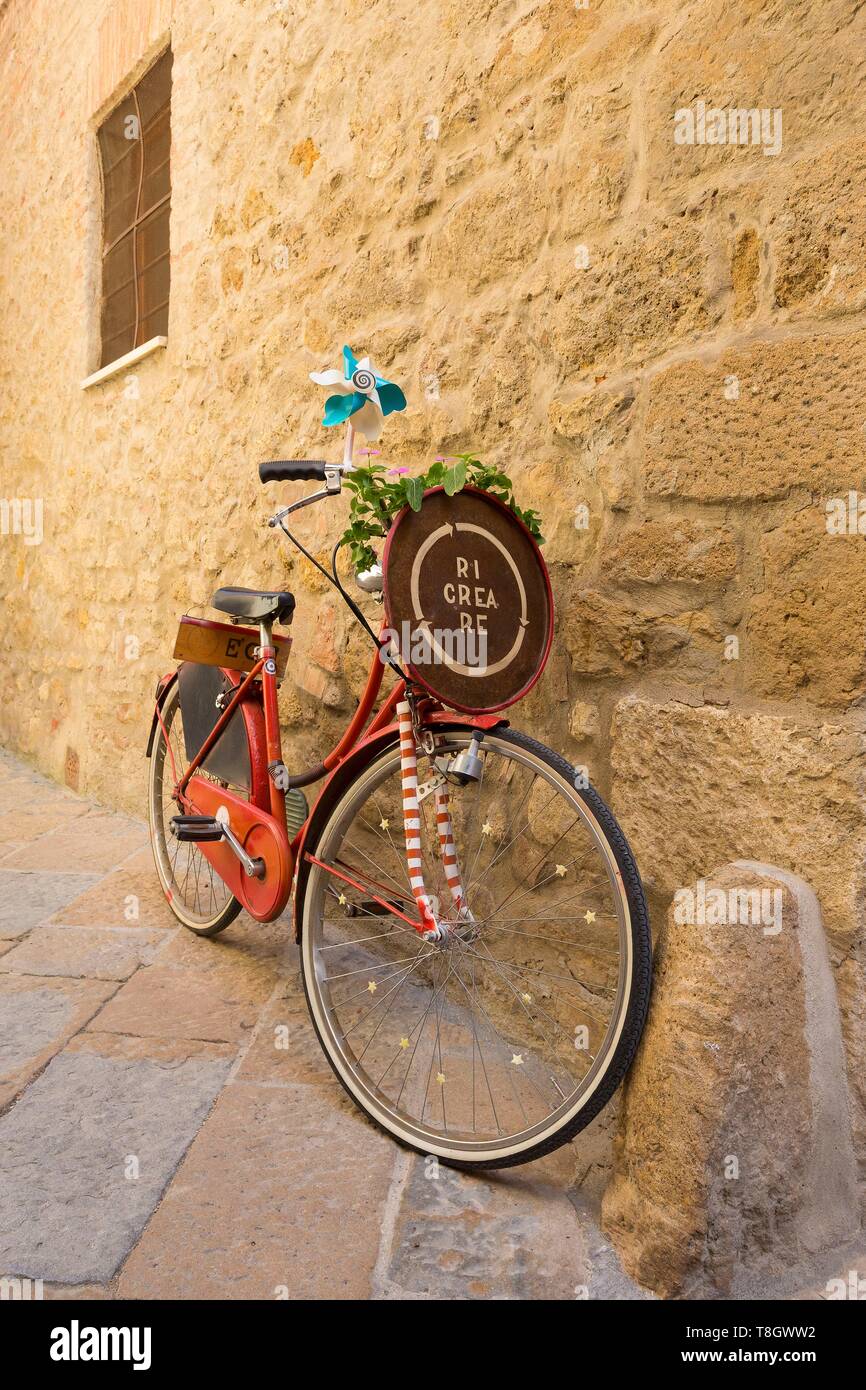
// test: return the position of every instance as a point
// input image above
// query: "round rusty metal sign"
(467, 597)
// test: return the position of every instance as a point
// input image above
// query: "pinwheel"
(361, 395)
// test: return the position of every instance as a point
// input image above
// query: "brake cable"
(334, 580)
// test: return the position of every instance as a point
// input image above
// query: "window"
(134, 143)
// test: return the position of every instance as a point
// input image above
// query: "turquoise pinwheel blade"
(390, 397)
(339, 408)
(350, 362)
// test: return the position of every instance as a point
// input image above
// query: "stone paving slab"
(29, 898)
(508, 1235)
(22, 827)
(283, 1188)
(285, 1048)
(94, 842)
(83, 952)
(72, 1217)
(166, 1002)
(246, 947)
(76, 1293)
(166, 1051)
(37, 1016)
(30, 792)
(130, 896)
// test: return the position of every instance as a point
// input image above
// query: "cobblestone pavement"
(157, 1143)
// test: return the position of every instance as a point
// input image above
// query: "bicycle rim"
(197, 895)
(488, 1045)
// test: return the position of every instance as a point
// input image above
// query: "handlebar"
(292, 470)
(331, 474)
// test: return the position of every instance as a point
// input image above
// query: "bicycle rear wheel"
(501, 1042)
(195, 892)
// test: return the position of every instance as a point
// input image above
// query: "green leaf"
(376, 499)
(454, 478)
(414, 490)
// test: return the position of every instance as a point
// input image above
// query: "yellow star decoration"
(372, 986)
(440, 1077)
(384, 823)
(589, 917)
(342, 900)
(561, 871)
(527, 998)
(517, 1059)
(404, 1043)
(487, 828)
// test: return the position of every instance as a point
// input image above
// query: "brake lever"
(333, 484)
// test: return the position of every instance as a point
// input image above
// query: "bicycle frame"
(257, 695)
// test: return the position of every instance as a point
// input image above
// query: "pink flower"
(398, 470)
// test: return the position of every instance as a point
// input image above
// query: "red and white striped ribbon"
(447, 846)
(412, 815)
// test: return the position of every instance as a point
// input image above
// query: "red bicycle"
(474, 940)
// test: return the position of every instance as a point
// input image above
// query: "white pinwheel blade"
(369, 420)
(334, 379)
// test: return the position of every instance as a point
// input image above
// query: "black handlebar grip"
(291, 470)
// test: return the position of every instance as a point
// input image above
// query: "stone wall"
(663, 341)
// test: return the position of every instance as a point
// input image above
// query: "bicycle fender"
(254, 722)
(163, 686)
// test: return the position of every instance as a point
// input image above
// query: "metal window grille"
(134, 143)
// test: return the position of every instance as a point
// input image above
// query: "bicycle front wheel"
(499, 1043)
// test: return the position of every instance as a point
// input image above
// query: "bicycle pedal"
(195, 828)
(297, 810)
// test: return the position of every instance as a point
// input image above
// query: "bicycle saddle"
(255, 604)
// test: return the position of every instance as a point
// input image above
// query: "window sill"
(121, 363)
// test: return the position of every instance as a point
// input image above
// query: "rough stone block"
(458, 1237)
(803, 61)
(796, 421)
(818, 233)
(805, 630)
(643, 292)
(735, 1154)
(692, 784)
(676, 549)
